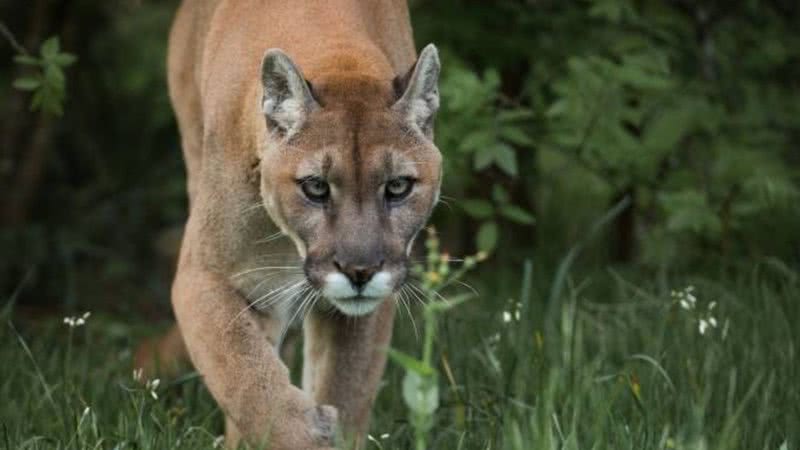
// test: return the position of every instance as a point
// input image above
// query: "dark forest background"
(630, 167)
(671, 127)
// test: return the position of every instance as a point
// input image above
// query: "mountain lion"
(313, 121)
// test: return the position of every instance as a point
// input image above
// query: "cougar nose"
(358, 274)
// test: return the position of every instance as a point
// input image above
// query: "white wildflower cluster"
(77, 321)
(513, 313)
(685, 298)
(151, 386)
(688, 301)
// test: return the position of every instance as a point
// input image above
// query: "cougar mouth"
(356, 306)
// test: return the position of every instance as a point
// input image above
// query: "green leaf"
(666, 130)
(639, 78)
(482, 158)
(65, 59)
(421, 393)
(479, 209)
(487, 236)
(27, 60)
(476, 140)
(516, 135)
(50, 48)
(54, 77)
(517, 214)
(27, 83)
(506, 159)
(409, 363)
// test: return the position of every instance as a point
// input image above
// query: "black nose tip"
(358, 274)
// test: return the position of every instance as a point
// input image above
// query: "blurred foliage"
(47, 84)
(690, 109)
(552, 112)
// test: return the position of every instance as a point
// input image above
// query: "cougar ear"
(287, 99)
(420, 100)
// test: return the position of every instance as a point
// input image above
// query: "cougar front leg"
(233, 350)
(344, 362)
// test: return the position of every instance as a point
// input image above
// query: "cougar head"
(350, 172)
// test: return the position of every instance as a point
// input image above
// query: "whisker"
(466, 285)
(413, 294)
(271, 237)
(256, 269)
(404, 302)
(445, 203)
(254, 303)
(252, 207)
(424, 260)
(315, 294)
(275, 297)
(289, 322)
(269, 277)
(437, 294)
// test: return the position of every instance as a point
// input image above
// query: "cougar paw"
(323, 420)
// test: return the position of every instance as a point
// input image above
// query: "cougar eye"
(315, 189)
(398, 188)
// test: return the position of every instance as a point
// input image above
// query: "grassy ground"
(614, 362)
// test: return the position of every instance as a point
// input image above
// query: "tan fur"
(242, 183)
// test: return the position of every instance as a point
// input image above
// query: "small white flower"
(712, 305)
(151, 386)
(86, 411)
(712, 321)
(137, 375)
(685, 305)
(506, 316)
(385, 436)
(702, 326)
(73, 322)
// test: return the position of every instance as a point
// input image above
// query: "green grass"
(612, 362)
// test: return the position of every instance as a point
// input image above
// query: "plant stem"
(430, 330)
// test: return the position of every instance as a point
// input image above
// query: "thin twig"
(11, 39)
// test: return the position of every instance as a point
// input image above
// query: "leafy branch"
(47, 82)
